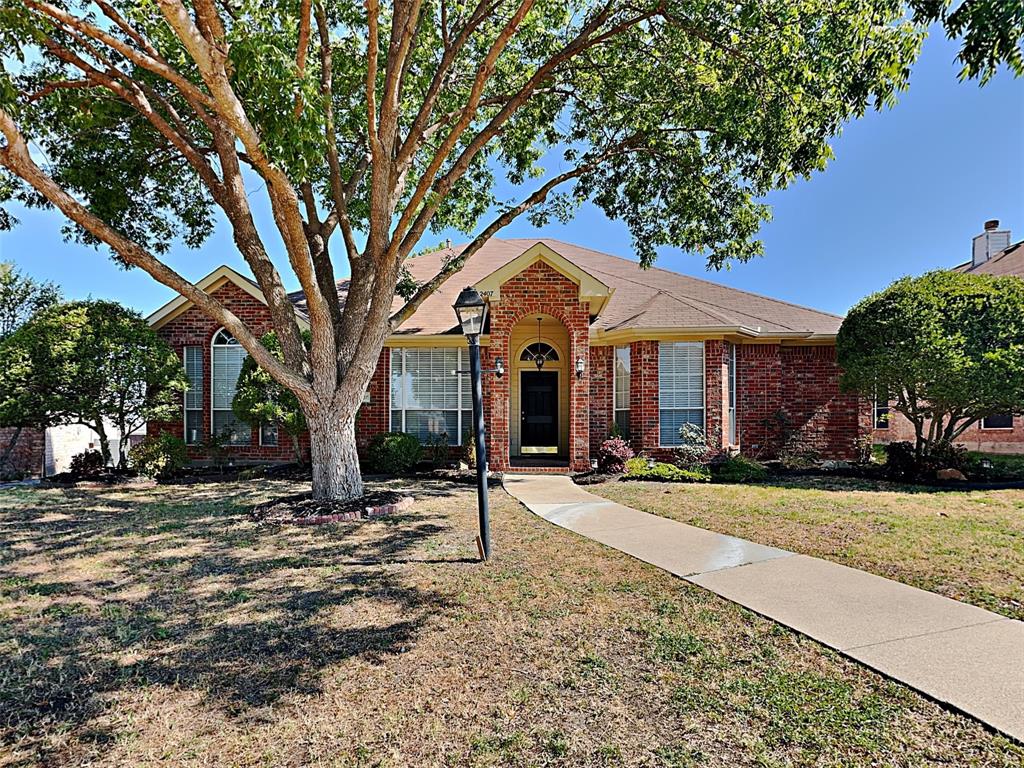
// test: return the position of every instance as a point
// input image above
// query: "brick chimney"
(989, 243)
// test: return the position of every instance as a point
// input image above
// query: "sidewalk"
(963, 656)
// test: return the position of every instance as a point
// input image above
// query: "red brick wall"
(974, 438)
(791, 394)
(27, 456)
(194, 328)
(601, 393)
(372, 418)
(541, 289)
(643, 395)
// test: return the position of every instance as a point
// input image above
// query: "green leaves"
(88, 361)
(261, 400)
(948, 345)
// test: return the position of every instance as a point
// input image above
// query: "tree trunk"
(98, 428)
(9, 448)
(332, 441)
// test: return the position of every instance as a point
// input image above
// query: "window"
(680, 388)
(881, 413)
(268, 434)
(226, 360)
(428, 398)
(539, 352)
(620, 378)
(1000, 421)
(733, 431)
(193, 357)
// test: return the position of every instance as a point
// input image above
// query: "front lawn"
(965, 545)
(144, 627)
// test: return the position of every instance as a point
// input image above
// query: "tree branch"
(15, 157)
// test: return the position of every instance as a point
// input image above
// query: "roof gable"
(591, 288)
(210, 284)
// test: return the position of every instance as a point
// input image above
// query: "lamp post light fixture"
(471, 309)
(581, 366)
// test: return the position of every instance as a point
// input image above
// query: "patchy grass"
(163, 627)
(965, 545)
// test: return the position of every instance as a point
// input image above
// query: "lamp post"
(471, 309)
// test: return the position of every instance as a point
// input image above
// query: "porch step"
(539, 470)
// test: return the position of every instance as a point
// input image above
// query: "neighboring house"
(992, 253)
(49, 451)
(588, 341)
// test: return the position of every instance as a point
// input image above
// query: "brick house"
(589, 342)
(992, 253)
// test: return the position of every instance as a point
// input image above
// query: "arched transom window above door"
(539, 353)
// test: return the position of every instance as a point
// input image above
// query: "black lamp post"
(471, 309)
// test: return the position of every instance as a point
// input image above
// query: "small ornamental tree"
(92, 363)
(259, 399)
(367, 125)
(946, 349)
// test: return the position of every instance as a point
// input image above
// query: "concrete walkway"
(966, 657)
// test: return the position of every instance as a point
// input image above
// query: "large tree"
(374, 123)
(93, 363)
(946, 350)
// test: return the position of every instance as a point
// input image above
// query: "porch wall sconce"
(581, 366)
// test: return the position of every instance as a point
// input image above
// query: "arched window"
(226, 358)
(539, 353)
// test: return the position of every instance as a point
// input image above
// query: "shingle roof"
(642, 299)
(1009, 261)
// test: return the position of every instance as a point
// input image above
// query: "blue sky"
(908, 189)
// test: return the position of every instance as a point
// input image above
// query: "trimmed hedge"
(739, 469)
(394, 453)
(159, 455)
(638, 469)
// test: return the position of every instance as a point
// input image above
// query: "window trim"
(615, 385)
(269, 445)
(460, 360)
(874, 414)
(981, 424)
(184, 397)
(703, 389)
(213, 375)
(733, 401)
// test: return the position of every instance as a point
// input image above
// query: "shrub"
(393, 453)
(469, 448)
(613, 455)
(900, 461)
(88, 463)
(693, 452)
(159, 455)
(436, 450)
(638, 469)
(740, 469)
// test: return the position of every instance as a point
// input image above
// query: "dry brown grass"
(966, 545)
(162, 627)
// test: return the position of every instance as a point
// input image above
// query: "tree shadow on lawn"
(101, 597)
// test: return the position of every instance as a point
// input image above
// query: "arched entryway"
(539, 403)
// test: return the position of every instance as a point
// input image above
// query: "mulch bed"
(303, 509)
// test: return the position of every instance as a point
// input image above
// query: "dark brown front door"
(539, 398)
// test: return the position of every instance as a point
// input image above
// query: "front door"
(539, 398)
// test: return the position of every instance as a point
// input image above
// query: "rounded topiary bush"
(393, 453)
(739, 469)
(159, 455)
